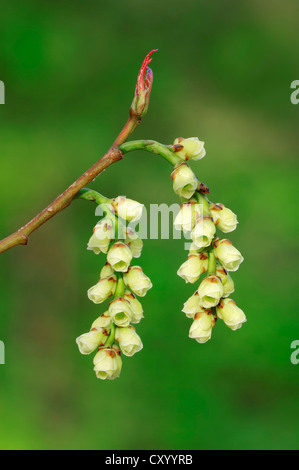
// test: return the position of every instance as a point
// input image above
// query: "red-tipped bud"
(143, 87)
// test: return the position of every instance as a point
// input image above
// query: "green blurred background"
(222, 73)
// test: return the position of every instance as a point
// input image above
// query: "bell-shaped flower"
(137, 281)
(232, 315)
(223, 218)
(102, 290)
(195, 265)
(127, 209)
(89, 342)
(102, 322)
(103, 233)
(203, 233)
(210, 291)
(119, 257)
(185, 219)
(106, 271)
(120, 312)
(227, 282)
(107, 363)
(192, 305)
(202, 326)
(136, 307)
(134, 242)
(227, 254)
(184, 181)
(192, 148)
(128, 340)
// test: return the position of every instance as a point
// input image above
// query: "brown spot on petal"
(116, 349)
(130, 296)
(110, 352)
(202, 188)
(217, 207)
(213, 279)
(197, 315)
(94, 329)
(222, 270)
(225, 241)
(177, 148)
(136, 268)
(203, 255)
(119, 245)
(105, 332)
(216, 242)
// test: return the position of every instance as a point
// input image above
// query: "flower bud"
(227, 282)
(203, 232)
(120, 312)
(210, 291)
(137, 281)
(192, 306)
(107, 363)
(201, 328)
(104, 321)
(106, 271)
(102, 290)
(136, 307)
(103, 233)
(143, 88)
(232, 315)
(127, 209)
(223, 217)
(184, 181)
(185, 219)
(195, 265)
(192, 149)
(134, 242)
(119, 256)
(227, 254)
(89, 342)
(129, 341)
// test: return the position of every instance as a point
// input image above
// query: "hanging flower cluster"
(120, 281)
(208, 255)
(210, 258)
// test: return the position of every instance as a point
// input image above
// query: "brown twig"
(142, 92)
